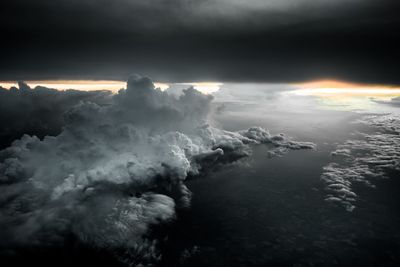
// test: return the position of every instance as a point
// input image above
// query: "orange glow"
(329, 84)
(330, 88)
(345, 95)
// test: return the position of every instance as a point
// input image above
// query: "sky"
(196, 41)
(110, 109)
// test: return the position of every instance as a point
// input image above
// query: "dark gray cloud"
(200, 40)
(39, 111)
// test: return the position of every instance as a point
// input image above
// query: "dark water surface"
(271, 211)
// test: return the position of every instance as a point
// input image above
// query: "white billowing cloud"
(115, 170)
(359, 161)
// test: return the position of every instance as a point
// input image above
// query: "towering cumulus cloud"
(116, 170)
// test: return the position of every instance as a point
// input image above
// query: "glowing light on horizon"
(84, 85)
(162, 86)
(113, 86)
(205, 87)
(327, 88)
(345, 95)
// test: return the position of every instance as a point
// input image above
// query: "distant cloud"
(394, 101)
(363, 160)
(115, 170)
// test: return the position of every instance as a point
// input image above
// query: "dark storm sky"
(189, 40)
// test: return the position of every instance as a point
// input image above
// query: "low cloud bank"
(361, 161)
(394, 101)
(116, 170)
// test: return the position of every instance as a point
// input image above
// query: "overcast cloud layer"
(192, 40)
